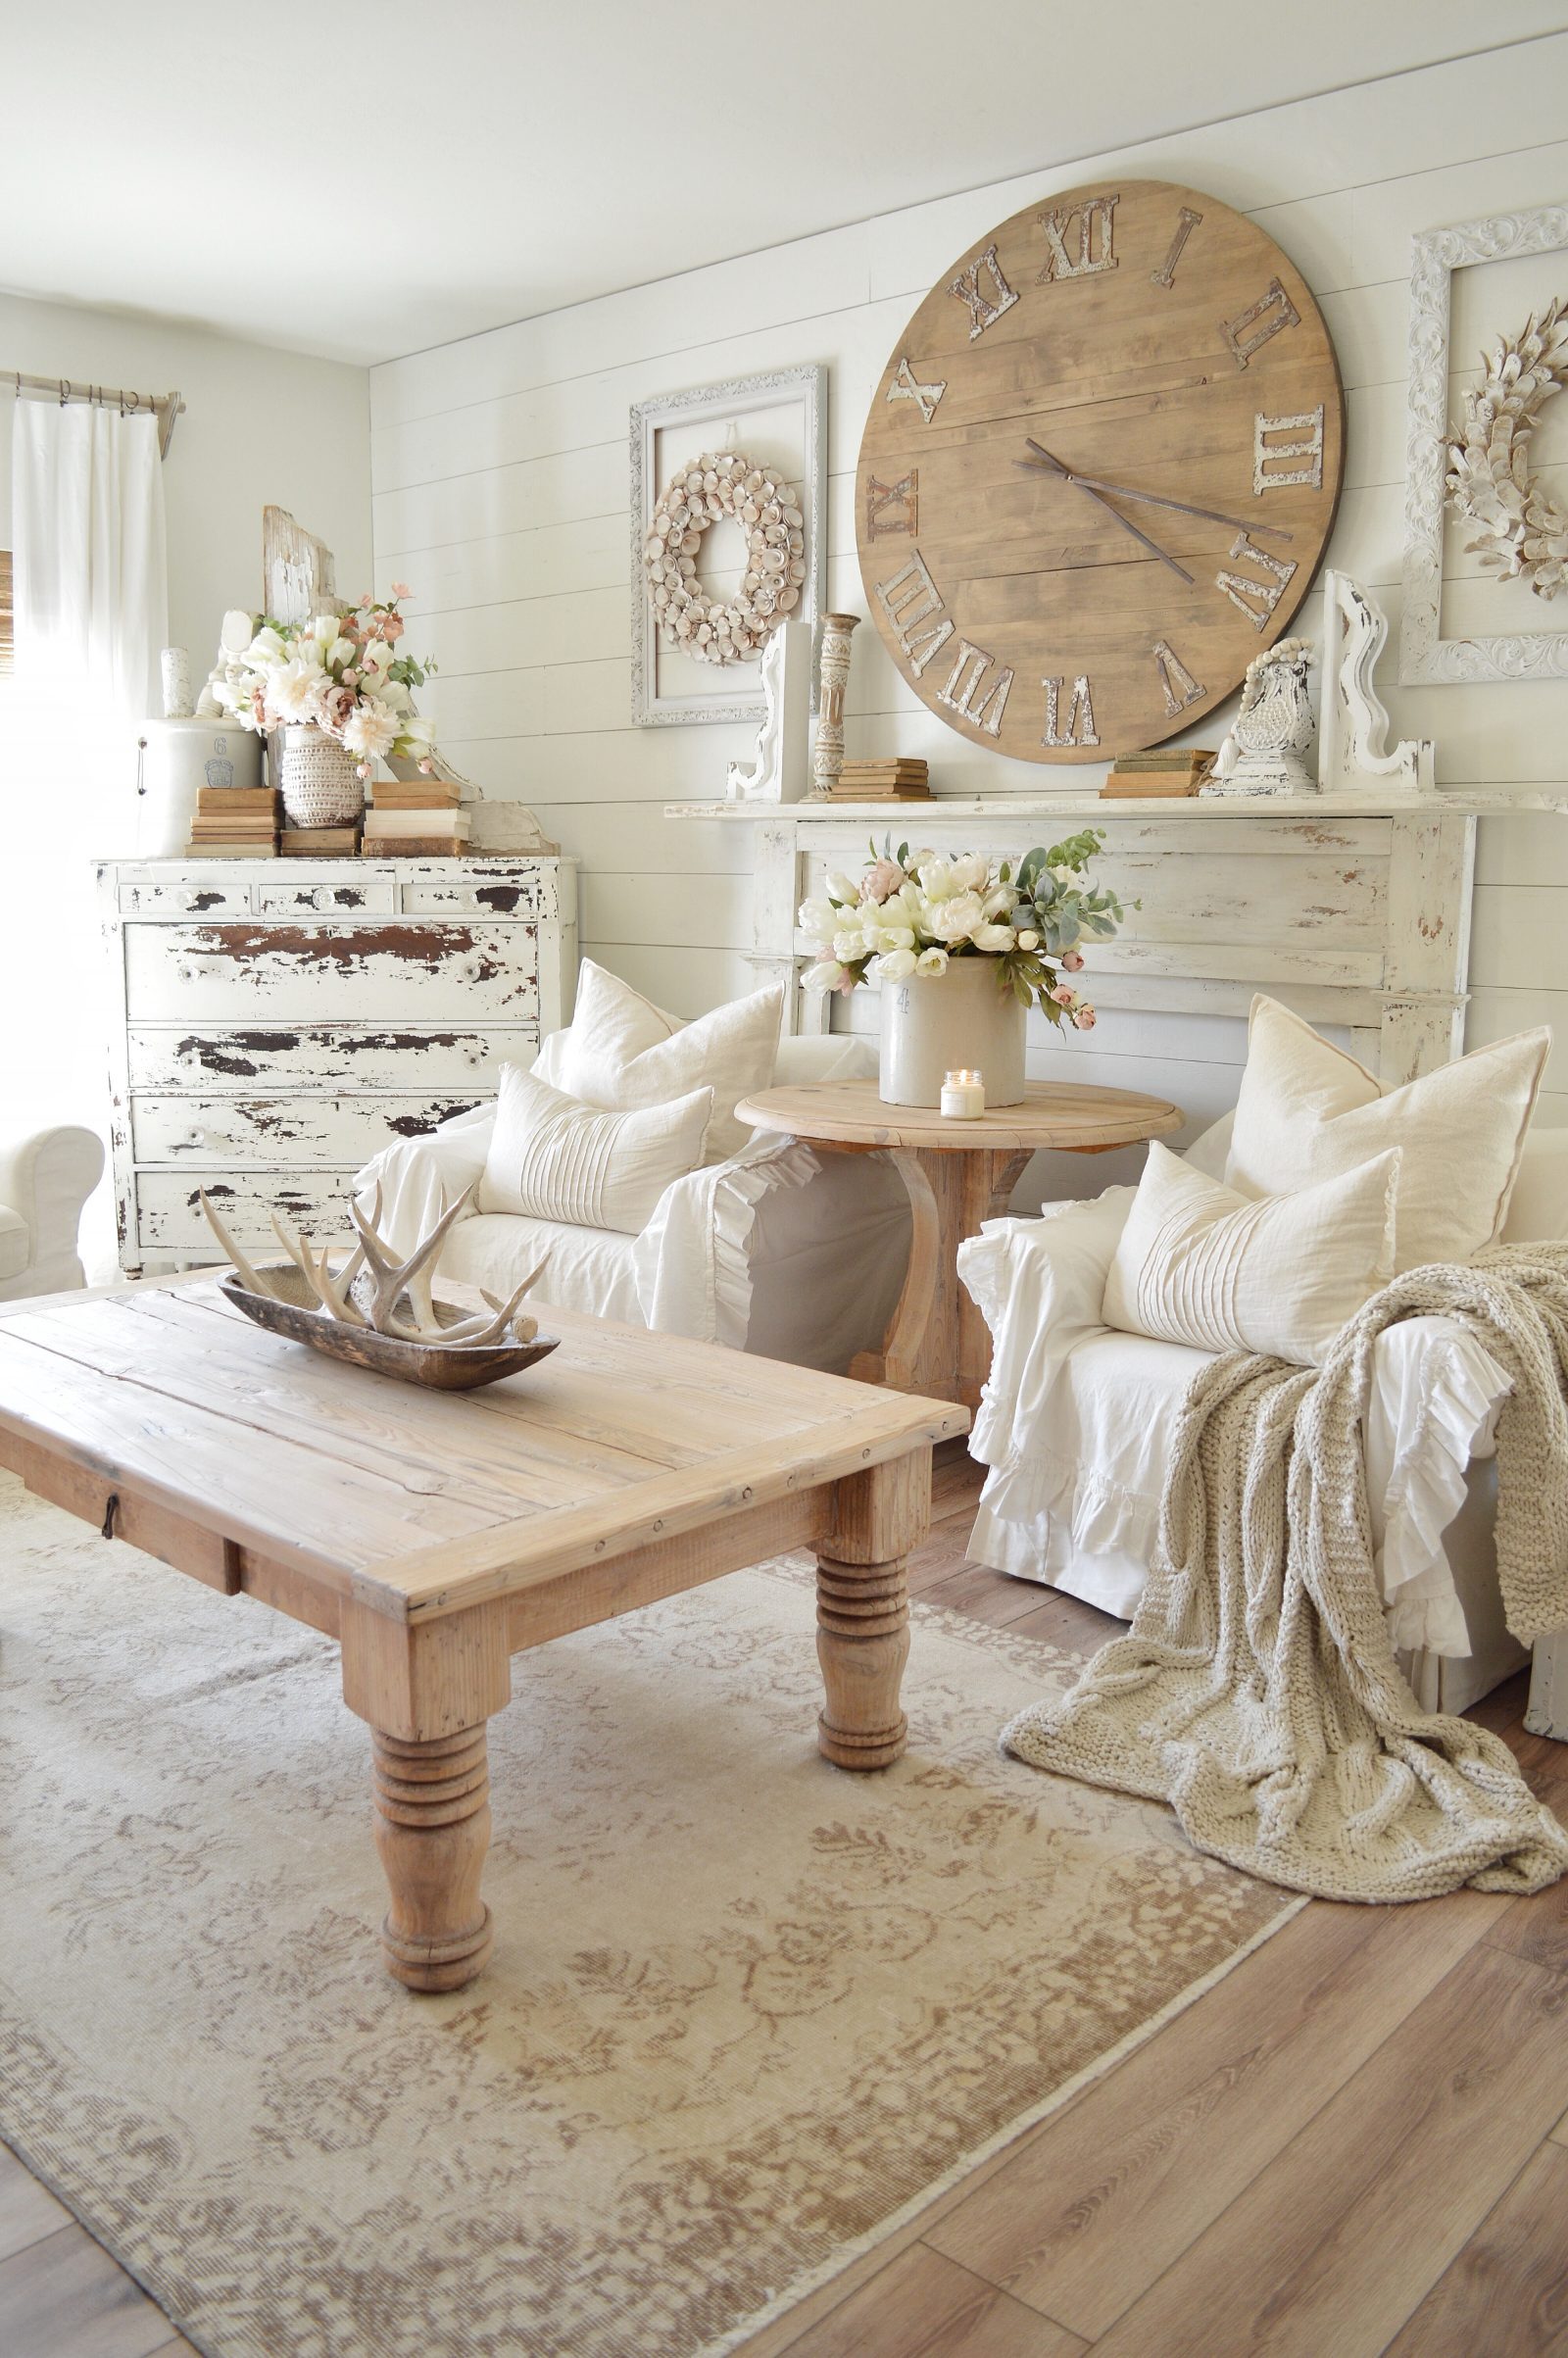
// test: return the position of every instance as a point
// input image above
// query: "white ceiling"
(367, 181)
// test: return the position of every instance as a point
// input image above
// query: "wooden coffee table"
(435, 1535)
(958, 1174)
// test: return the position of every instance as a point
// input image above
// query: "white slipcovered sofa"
(1078, 1418)
(45, 1178)
(777, 1250)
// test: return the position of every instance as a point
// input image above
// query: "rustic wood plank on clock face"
(1178, 354)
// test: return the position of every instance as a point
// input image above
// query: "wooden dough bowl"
(440, 1367)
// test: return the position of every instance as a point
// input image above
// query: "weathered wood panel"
(250, 972)
(295, 896)
(213, 1060)
(199, 898)
(216, 1133)
(168, 1216)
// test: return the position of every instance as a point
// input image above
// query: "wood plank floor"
(1357, 2143)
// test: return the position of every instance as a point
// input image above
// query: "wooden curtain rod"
(166, 407)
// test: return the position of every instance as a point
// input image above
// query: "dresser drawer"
(248, 1059)
(170, 1219)
(292, 896)
(189, 899)
(213, 1133)
(499, 891)
(343, 972)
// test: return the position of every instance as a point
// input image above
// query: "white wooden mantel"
(1353, 908)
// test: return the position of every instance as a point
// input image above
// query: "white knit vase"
(937, 1023)
(320, 779)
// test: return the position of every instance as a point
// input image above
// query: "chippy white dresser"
(279, 1020)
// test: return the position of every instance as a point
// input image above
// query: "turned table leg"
(862, 1609)
(426, 1691)
(432, 1830)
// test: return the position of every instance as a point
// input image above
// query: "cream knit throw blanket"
(1257, 1691)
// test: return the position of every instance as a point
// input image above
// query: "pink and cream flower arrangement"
(340, 672)
(912, 912)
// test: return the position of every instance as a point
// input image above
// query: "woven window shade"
(8, 640)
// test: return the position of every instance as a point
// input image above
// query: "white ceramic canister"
(179, 759)
(932, 1024)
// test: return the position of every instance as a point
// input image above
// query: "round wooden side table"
(958, 1174)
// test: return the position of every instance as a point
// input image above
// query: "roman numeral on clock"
(1176, 681)
(1078, 728)
(984, 308)
(1252, 329)
(909, 598)
(891, 508)
(970, 665)
(1187, 221)
(1268, 450)
(1257, 599)
(906, 386)
(1097, 227)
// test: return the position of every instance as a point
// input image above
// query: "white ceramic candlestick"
(963, 1095)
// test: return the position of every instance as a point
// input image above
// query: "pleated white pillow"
(1197, 1263)
(557, 1159)
(1308, 1111)
(620, 1049)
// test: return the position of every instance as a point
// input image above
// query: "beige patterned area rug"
(743, 2009)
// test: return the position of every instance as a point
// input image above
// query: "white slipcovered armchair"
(45, 1178)
(776, 1250)
(1078, 1418)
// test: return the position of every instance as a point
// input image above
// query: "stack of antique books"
(1177, 770)
(416, 818)
(235, 822)
(894, 779)
(320, 843)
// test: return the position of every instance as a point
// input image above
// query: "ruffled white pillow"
(622, 1051)
(1197, 1263)
(1308, 1111)
(555, 1159)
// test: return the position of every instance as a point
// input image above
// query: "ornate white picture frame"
(787, 408)
(1425, 656)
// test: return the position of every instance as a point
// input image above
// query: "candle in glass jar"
(963, 1095)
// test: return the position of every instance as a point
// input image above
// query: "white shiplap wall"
(500, 479)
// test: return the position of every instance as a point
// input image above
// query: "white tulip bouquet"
(340, 672)
(912, 912)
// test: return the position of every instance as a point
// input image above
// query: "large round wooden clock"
(1098, 471)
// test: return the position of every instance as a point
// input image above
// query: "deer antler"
(494, 1329)
(391, 1280)
(332, 1293)
(248, 1277)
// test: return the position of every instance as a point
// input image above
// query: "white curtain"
(91, 617)
(88, 565)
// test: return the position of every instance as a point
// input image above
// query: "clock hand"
(1153, 499)
(1125, 522)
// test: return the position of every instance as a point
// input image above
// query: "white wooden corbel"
(1353, 748)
